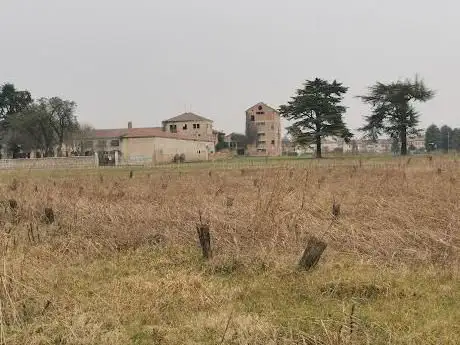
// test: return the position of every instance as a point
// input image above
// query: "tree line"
(42, 125)
(443, 139)
(317, 111)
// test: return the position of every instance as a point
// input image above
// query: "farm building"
(148, 145)
(191, 125)
(157, 146)
(263, 130)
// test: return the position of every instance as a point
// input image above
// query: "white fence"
(238, 163)
(50, 163)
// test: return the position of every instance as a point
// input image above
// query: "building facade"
(416, 142)
(263, 131)
(155, 146)
(191, 125)
(146, 145)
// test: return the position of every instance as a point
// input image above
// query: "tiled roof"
(108, 133)
(145, 132)
(186, 117)
(148, 132)
(158, 133)
(263, 104)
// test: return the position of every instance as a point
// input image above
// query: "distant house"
(191, 125)
(157, 146)
(236, 142)
(416, 142)
(147, 144)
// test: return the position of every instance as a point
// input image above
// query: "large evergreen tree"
(316, 111)
(393, 111)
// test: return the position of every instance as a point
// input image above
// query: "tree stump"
(13, 204)
(335, 209)
(312, 253)
(230, 200)
(205, 240)
(49, 215)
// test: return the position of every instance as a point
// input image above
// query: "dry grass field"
(121, 263)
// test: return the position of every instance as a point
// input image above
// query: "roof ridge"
(262, 103)
(186, 117)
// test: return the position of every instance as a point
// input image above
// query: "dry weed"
(121, 263)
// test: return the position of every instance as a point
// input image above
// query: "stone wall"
(49, 163)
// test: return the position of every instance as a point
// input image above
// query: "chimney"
(130, 124)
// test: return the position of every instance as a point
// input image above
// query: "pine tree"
(393, 112)
(316, 112)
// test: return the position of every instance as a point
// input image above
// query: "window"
(260, 113)
(260, 107)
(260, 134)
(173, 128)
(273, 142)
(198, 126)
(184, 127)
(260, 142)
(252, 118)
(261, 124)
(115, 143)
(101, 144)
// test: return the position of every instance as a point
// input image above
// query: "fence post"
(312, 253)
(116, 158)
(96, 159)
(205, 240)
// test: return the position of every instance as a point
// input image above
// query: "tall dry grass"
(119, 263)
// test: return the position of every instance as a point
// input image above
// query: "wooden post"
(13, 204)
(335, 209)
(230, 201)
(205, 240)
(312, 253)
(49, 215)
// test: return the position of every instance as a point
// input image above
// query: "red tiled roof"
(108, 133)
(148, 132)
(159, 133)
(145, 132)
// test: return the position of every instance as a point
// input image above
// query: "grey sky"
(148, 60)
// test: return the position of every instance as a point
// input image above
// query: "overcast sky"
(148, 60)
